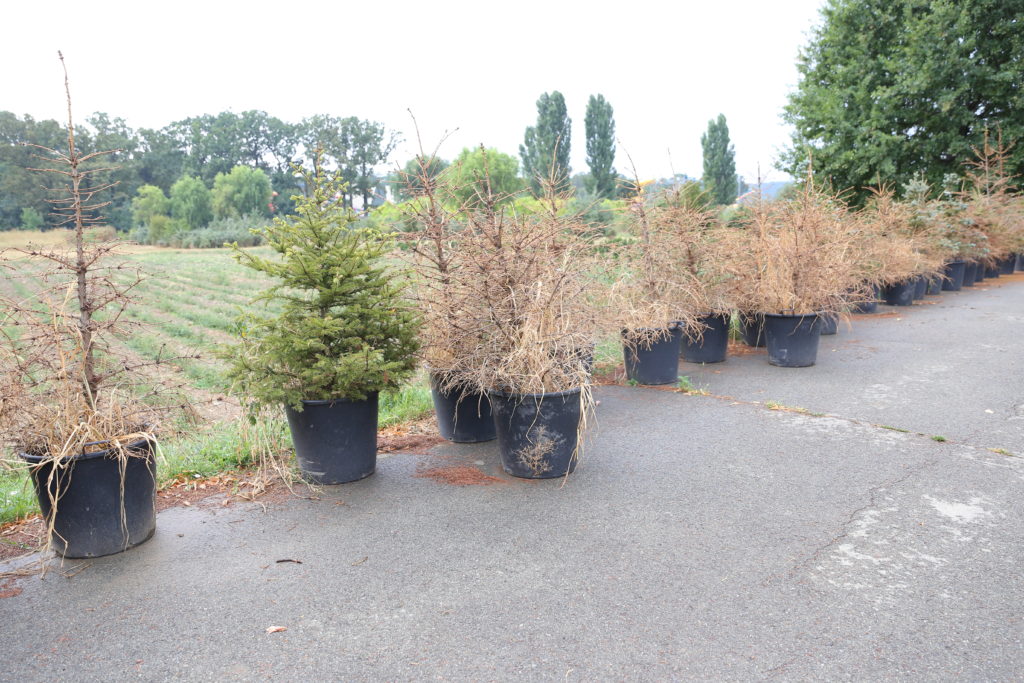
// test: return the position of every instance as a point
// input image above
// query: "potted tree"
(801, 250)
(534, 315)
(344, 331)
(992, 208)
(437, 200)
(895, 253)
(707, 250)
(72, 405)
(652, 297)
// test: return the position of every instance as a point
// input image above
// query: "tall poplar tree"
(545, 148)
(600, 128)
(719, 162)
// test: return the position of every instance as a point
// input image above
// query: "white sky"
(478, 66)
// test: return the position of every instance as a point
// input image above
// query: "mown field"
(186, 306)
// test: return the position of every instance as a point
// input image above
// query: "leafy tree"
(469, 174)
(545, 148)
(720, 179)
(191, 205)
(369, 144)
(31, 219)
(893, 88)
(355, 147)
(600, 128)
(161, 160)
(149, 201)
(19, 187)
(243, 191)
(345, 329)
(408, 182)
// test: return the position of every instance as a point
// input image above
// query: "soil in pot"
(652, 362)
(752, 329)
(792, 340)
(901, 294)
(713, 343)
(335, 441)
(954, 280)
(970, 273)
(538, 434)
(463, 416)
(97, 513)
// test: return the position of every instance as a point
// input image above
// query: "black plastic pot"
(537, 433)
(792, 340)
(1020, 262)
(934, 286)
(970, 273)
(828, 324)
(714, 342)
(657, 363)
(991, 271)
(462, 416)
(335, 441)
(980, 276)
(752, 328)
(901, 294)
(954, 280)
(1007, 265)
(91, 498)
(920, 287)
(869, 306)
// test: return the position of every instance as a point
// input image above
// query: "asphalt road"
(701, 538)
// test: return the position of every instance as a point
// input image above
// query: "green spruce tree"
(345, 329)
(600, 129)
(545, 148)
(719, 162)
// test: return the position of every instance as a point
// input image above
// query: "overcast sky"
(476, 66)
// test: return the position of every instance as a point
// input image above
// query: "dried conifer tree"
(64, 382)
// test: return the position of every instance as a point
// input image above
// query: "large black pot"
(335, 441)
(752, 329)
(97, 512)
(713, 343)
(1020, 262)
(991, 270)
(901, 294)
(463, 416)
(538, 434)
(954, 280)
(792, 340)
(971, 273)
(655, 362)
(934, 285)
(828, 323)
(980, 277)
(1006, 265)
(920, 287)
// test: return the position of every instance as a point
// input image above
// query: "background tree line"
(216, 172)
(235, 157)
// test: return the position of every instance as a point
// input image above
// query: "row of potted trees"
(504, 308)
